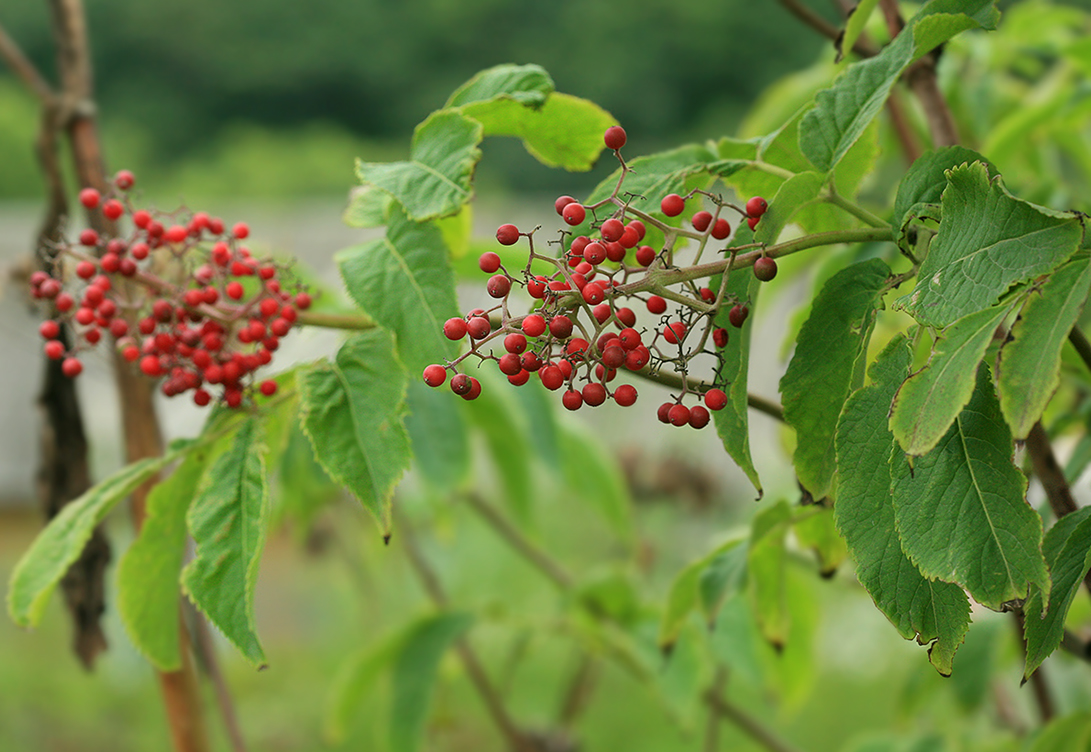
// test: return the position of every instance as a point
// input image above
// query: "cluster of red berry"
(179, 294)
(591, 275)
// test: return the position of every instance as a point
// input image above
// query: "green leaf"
(930, 399)
(842, 112)
(733, 422)
(926, 179)
(436, 180)
(1071, 733)
(988, 241)
(1067, 548)
(439, 436)
(355, 679)
(1030, 359)
(404, 282)
(708, 581)
(722, 579)
(592, 473)
(63, 539)
(828, 363)
(793, 194)
(227, 521)
(934, 613)
(854, 27)
(148, 575)
(414, 673)
(961, 511)
(565, 132)
(766, 561)
(368, 207)
(814, 529)
(352, 413)
(529, 85)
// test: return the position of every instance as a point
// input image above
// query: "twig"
(20, 64)
(1042, 695)
(675, 381)
(503, 527)
(515, 737)
(579, 691)
(716, 694)
(825, 28)
(1049, 472)
(206, 653)
(1083, 347)
(749, 725)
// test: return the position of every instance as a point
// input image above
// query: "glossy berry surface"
(615, 137)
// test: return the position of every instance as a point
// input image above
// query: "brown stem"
(516, 738)
(205, 648)
(825, 28)
(1042, 696)
(749, 725)
(142, 436)
(1049, 472)
(907, 137)
(23, 69)
(503, 527)
(1083, 347)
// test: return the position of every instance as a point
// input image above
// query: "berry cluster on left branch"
(179, 293)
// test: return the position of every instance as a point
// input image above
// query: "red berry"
(719, 337)
(234, 290)
(176, 234)
(241, 230)
(572, 400)
(460, 384)
(612, 229)
(594, 394)
(752, 222)
(630, 338)
(201, 397)
(672, 205)
(715, 399)
(698, 416)
(574, 213)
(645, 255)
(435, 374)
(638, 358)
(593, 293)
(507, 235)
(142, 219)
(625, 395)
(478, 327)
(89, 197)
(721, 229)
(130, 353)
(638, 227)
(89, 238)
(489, 262)
(614, 356)
(71, 367)
(675, 333)
(518, 379)
(663, 411)
(113, 209)
(615, 252)
(756, 206)
(552, 377)
(765, 268)
(737, 315)
(559, 205)
(54, 350)
(594, 253)
(678, 415)
(534, 325)
(302, 302)
(531, 362)
(701, 220)
(629, 238)
(124, 180)
(560, 327)
(86, 269)
(475, 390)
(49, 329)
(64, 302)
(515, 343)
(268, 387)
(615, 137)
(453, 328)
(601, 312)
(498, 286)
(510, 364)
(656, 305)
(536, 287)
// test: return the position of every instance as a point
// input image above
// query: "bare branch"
(23, 69)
